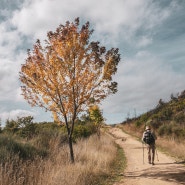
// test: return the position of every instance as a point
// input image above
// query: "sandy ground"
(166, 170)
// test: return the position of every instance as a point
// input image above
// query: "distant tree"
(11, 126)
(24, 121)
(97, 117)
(182, 95)
(128, 117)
(27, 126)
(161, 103)
(173, 97)
(67, 73)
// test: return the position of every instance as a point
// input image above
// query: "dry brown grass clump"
(172, 147)
(93, 159)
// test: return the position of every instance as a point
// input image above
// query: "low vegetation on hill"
(167, 119)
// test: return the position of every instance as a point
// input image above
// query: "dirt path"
(166, 171)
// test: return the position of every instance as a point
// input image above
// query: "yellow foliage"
(55, 117)
(64, 74)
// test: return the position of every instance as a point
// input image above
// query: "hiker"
(149, 138)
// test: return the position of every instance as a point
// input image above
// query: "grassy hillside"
(167, 119)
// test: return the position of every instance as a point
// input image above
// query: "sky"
(150, 35)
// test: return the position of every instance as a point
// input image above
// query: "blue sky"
(150, 35)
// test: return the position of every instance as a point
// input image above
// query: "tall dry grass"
(93, 160)
(172, 147)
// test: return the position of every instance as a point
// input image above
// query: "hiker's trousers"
(151, 153)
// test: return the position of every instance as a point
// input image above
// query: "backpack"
(148, 137)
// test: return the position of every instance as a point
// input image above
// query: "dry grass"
(172, 147)
(93, 159)
(131, 129)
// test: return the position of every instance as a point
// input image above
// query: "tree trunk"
(71, 149)
(98, 132)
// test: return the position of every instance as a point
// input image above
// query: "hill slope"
(167, 119)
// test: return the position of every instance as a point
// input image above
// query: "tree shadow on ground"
(169, 173)
(180, 162)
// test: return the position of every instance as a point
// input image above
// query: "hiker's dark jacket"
(153, 134)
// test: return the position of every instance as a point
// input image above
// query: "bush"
(179, 118)
(155, 124)
(11, 126)
(143, 118)
(165, 114)
(180, 107)
(172, 130)
(165, 129)
(161, 130)
(28, 132)
(138, 123)
(178, 132)
(83, 131)
(10, 146)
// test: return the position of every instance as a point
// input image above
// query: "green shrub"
(179, 118)
(138, 123)
(161, 130)
(10, 146)
(165, 129)
(155, 124)
(178, 132)
(143, 118)
(165, 114)
(172, 130)
(28, 132)
(155, 117)
(11, 126)
(180, 106)
(84, 130)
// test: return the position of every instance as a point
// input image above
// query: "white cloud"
(123, 17)
(15, 113)
(144, 41)
(8, 80)
(9, 41)
(18, 96)
(9, 77)
(142, 81)
(38, 17)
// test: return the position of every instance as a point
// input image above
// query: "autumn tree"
(67, 72)
(97, 117)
